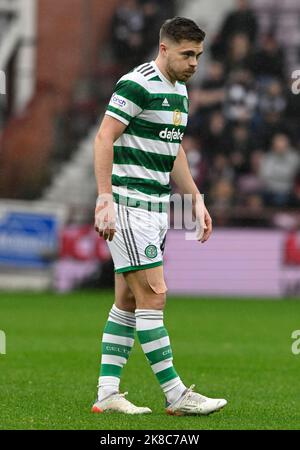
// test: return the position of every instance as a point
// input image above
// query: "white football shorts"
(139, 240)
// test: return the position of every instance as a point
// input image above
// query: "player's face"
(182, 59)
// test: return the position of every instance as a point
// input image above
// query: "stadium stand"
(63, 60)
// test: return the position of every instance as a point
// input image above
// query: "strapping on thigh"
(156, 281)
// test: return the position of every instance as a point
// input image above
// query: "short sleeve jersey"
(155, 112)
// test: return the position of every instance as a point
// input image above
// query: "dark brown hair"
(180, 28)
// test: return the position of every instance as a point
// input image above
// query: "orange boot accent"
(97, 410)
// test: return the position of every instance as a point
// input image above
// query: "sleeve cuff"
(116, 116)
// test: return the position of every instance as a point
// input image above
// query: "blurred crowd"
(243, 136)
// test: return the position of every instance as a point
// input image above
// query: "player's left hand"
(203, 221)
(208, 226)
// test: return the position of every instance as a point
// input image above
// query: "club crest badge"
(151, 251)
(177, 118)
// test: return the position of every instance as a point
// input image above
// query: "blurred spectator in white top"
(278, 171)
(240, 97)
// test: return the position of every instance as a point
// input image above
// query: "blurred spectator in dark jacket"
(278, 171)
(240, 20)
(269, 59)
(250, 183)
(272, 99)
(127, 34)
(220, 169)
(251, 212)
(240, 97)
(152, 22)
(196, 159)
(241, 140)
(215, 136)
(209, 96)
(166, 8)
(272, 123)
(296, 190)
(292, 112)
(241, 145)
(239, 54)
(221, 201)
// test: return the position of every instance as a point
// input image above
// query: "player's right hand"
(105, 217)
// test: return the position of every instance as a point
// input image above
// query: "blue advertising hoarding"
(28, 239)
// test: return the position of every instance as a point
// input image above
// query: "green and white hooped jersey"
(155, 112)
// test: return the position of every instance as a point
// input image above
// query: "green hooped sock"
(117, 342)
(155, 343)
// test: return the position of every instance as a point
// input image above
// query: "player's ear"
(163, 48)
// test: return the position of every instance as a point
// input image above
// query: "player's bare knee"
(149, 288)
(158, 302)
(152, 301)
(126, 302)
(130, 301)
(124, 298)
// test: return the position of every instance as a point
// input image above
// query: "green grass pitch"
(236, 349)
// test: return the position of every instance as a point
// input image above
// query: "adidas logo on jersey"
(171, 135)
(165, 102)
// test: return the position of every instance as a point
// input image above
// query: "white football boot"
(118, 403)
(191, 403)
